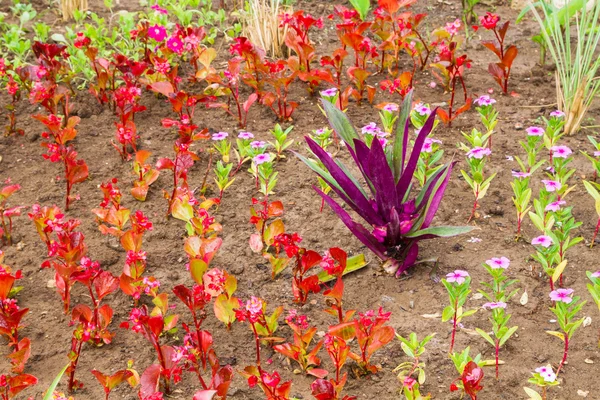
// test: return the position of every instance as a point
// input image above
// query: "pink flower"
(563, 295)
(535, 131)
(557, 114)
(551, 186)
(596, 274)
(219, 136)
(329, 92)
(489, 20)
(498, 262)
(258, 144)
(484, 100)
(422, 109)
(175, 44)
(262, 158)
(479, 152)
(561, 151)
(159, 9)
(157, 32)
(597, 153)
(370, 129)
(459, 276)
(428, 145)
(409, 383)
(544, 241)
(546, 373)
(520, 175)
(494, 304)
(254, 305)
(453, 27)
(555, 206)
(391, 107)
(245, 135)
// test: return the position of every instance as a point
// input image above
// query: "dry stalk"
(261, 25)
(69, 6)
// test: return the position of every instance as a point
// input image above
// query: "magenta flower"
(262, 158)
(159, 9)
(561, 151)
(555, 206)
(535, 131)
(495, 304)
(479, 152)
(245, 135)
(428, 145)
(544, 241)
(391, 107)
(219, 136)
(175, 44)
(370, 129)
(422, 109)
(329, 92)
(498, 262)
(520, 175)
(157, 32)
(484, 100)
(557, 114)
(459, 276)
(258, 144)
(597, 153)
(563, 295)
(596, 274)
(551, 186)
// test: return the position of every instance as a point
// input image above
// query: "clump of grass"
(68, 7)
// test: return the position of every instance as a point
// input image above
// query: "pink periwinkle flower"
(391, 107)
(484, 100)
(551, 186)
(535, 131)
(555, 206)
(219, 136)
(563, 295)
(546, 373)
(557, 114)
(428, 145)
(258, 144)
(520, 175)
(329, 92)
(159, 9)
(561, 151)
(596, 274)
(262, 158)
(494, 304)
(543, 240)
(597, 153)
(479, 152)
(459, 276)
(498, 262)
(422, 109)
(370, 129)
(245, 135)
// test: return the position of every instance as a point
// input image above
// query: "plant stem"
(595, 233)
(454, 326)
(565, 353)
(497, 360)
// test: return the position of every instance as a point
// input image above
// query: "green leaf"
(55, 382)
(340, 123)
(486, 336)
(353, 263)
(507, 335)
(441, 231)
(362, 6)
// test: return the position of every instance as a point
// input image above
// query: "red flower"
(489, 20)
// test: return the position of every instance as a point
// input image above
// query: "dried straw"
(261, 25)
(69, 6)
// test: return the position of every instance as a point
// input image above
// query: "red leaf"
(205, 395)
(509, 55)
(165, 88)
(150, 380)
(492, 46)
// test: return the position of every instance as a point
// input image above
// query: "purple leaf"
(382, 179)
(437, 198)
(358, 201)
(410, 258)
(408, 173)
(357, 230)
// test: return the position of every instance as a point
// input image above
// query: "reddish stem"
(565, 353)
(454, 322)
(595, 233)
(497, 360)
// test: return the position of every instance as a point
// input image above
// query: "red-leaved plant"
(8, 213)
(500, 71)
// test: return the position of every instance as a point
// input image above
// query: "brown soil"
(408, 299)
